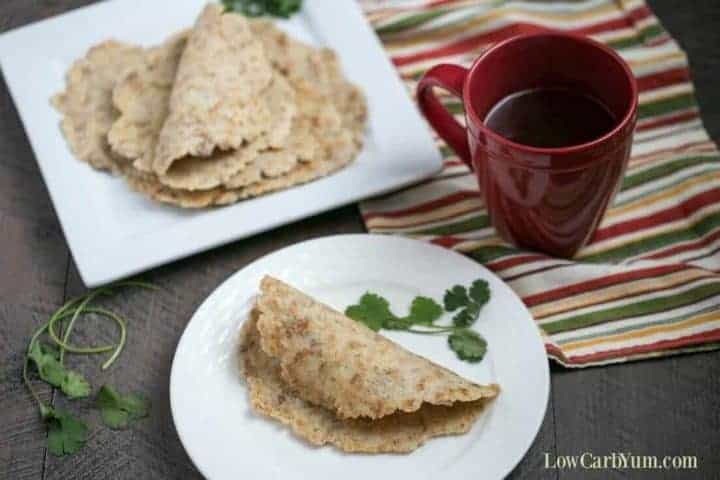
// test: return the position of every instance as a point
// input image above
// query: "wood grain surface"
(661, 407)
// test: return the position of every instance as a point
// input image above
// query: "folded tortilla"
(217, 101)
(334, 381)
(141, 100)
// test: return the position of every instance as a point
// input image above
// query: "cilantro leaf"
(257, 8)
(468, 345)
(467, 316)
(455, 298)
(424, 311)
(47, 364)
(373, 311)
(118, 411)
(74, 385)
(480, 292)
(66, 434)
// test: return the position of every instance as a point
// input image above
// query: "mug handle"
(451, 78)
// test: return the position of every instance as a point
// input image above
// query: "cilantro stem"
(433, 331)
(91, 350)
(72, 348)
(135, 283)
(71, 324)
(82, 308)
(123, 334)
(439, 327)
(98, 349)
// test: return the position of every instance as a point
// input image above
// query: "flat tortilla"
(273, 396)
(314, 71)
(86, 103)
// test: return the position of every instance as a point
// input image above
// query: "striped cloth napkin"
(648, 284)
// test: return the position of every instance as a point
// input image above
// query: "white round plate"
(227, 440)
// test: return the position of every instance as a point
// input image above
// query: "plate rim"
(102, 262)
(547, 384)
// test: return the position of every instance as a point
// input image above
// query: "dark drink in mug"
(550, 120)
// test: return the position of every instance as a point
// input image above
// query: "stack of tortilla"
(334, 381)
(231, 109)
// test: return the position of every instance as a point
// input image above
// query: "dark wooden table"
(661, 407)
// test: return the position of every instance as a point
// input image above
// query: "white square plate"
(114, 232)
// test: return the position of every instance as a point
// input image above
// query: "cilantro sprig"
(374, 311)
(66, 433)
(259, 8)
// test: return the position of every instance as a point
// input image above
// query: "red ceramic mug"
(546, 199)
